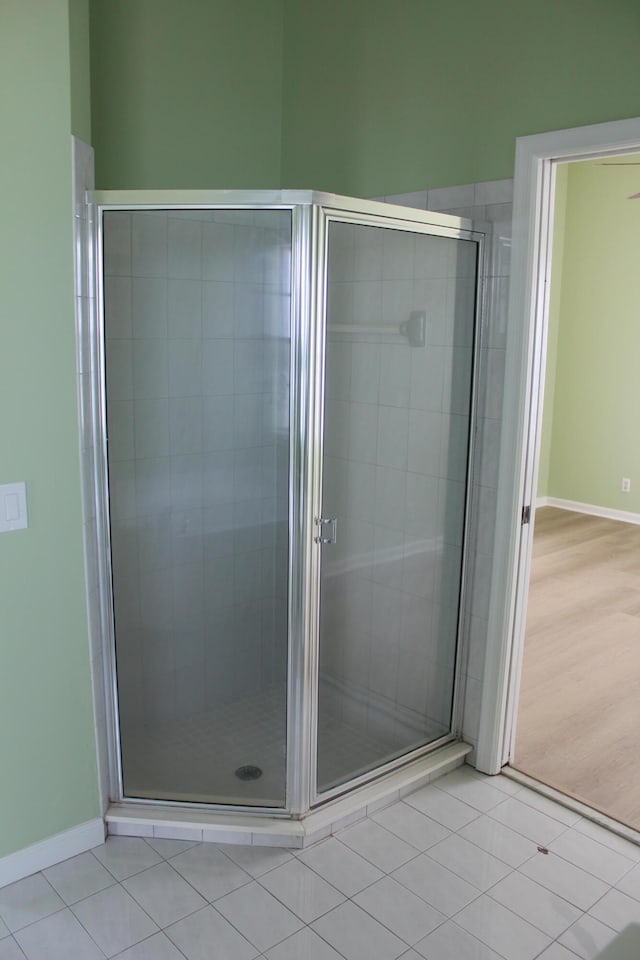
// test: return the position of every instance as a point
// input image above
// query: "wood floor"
(579, 713)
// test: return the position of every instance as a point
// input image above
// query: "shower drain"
(248, 772)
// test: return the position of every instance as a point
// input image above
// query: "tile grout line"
(611, 887)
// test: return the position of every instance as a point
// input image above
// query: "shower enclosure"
(286, 394)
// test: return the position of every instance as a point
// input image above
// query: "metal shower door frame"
(298, 203)
(336, 209)
(311, 214)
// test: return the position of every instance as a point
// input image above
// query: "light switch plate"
(13, 507)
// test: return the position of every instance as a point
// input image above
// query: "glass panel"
(197, 330)
(400, 325)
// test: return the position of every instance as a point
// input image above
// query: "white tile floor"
(452, 872)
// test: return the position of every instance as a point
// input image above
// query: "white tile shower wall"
(489, 206)
(396, 427)
(83, 180)
(197, 328)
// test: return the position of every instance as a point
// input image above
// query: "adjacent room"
(577, 726)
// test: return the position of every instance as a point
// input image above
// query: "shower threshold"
(277, 830)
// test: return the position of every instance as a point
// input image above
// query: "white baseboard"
(46, 853)
(606, 512)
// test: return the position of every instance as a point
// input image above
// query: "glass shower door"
(197, 344)
(398, 378)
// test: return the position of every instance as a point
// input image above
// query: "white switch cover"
(13, 507)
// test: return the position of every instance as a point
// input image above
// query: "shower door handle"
(327, 530)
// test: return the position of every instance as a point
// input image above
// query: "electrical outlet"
(626, 485)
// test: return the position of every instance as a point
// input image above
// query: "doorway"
(536, 162)
(581, 624)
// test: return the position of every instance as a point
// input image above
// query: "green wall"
(594, 428)
(388, 96)
(367, 97)
(46, 720)
(186, 93)
(79, 57)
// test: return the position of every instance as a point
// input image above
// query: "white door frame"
(524, 381)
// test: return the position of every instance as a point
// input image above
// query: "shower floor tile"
(195, 758)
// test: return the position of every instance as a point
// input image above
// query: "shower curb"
(217, 826)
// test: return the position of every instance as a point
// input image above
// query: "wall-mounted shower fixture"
(414, 329)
